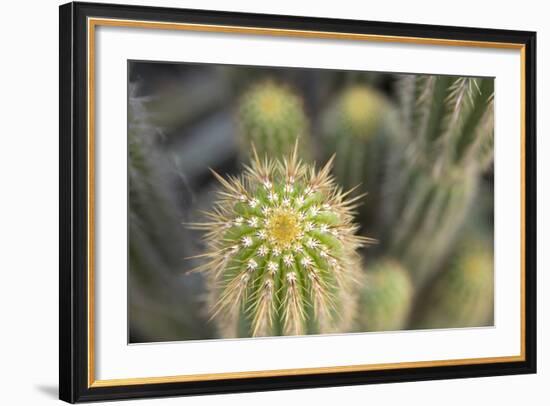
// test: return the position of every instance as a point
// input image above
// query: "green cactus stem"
(356, 127)
(282, 251)
(462, 295)
(272, 117)
(160, 307)
(437, 164)
(386, 298)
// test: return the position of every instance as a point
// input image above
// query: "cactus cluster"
(272, 117)
(357, 126)
(450, 120)
(462, 295)
(385, 298)
(282, 250)
(405, 158)
(446, 145)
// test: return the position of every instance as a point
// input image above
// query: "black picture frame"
(74, 384)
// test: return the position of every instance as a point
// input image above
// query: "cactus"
(282, 251)
(386, 297)
(272, 117)
(433, 182)
(151, 206)
(356, 127)
(161, 307)
(461, 296)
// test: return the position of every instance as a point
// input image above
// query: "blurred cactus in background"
(357, 126)
(462, 295)
(437, 166)
(272, 117)
(386, 297)
(178, 99)
(158, 298)
(282, 251)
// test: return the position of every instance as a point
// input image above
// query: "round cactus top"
(268, 103)
(361, 111)
(281, 243)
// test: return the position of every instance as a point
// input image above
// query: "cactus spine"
(446, 145)
(272, 117)
(386, 297)
(356, 126)
(282, 251)
(461, 296)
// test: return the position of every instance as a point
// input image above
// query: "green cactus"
(159, 308)
(462, 295)
(386, 297)
(356, 127)
(282, 251)
(151, 205)
(440, 157)
(272, 117)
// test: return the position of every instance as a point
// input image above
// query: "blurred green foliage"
(386, 297)
(439, 159)
(462, 295)
(356, 127)
(163, 303)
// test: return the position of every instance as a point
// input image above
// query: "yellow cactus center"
(362, 108)
(476, 265)
(283, 227)
(271, 105)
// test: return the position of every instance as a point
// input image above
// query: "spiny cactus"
(462, 295)
(272, 117)
(282, 251)
(356, 127)
(151, 207)
(450, 119)
(446, 145)
(386, 297)
(159, 308)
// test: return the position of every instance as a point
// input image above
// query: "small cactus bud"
(283, 259)
(272, 117)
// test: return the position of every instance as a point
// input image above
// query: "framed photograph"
(258, 202)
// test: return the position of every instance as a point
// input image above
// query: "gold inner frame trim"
(94, 22)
